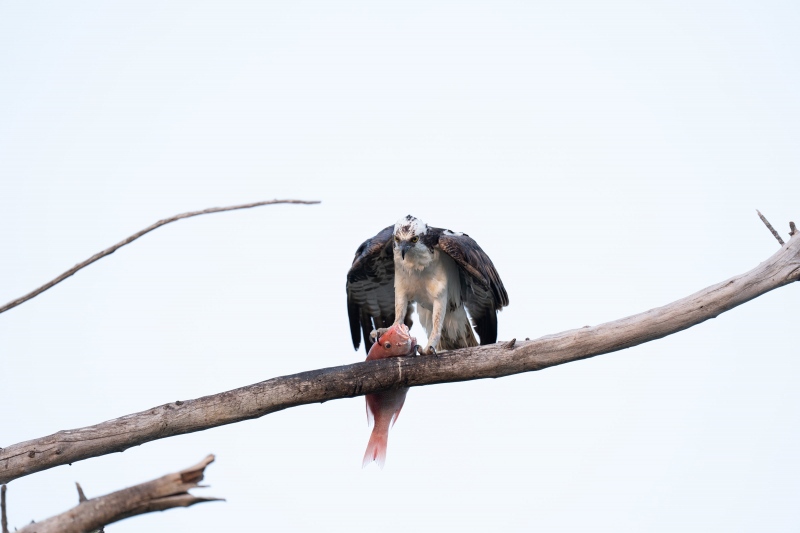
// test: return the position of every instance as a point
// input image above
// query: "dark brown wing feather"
(370, 288)
(483, 292)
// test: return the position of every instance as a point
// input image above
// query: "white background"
(608, 156)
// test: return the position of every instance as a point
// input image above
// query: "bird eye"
(396, 238)
(414, 239)
(387, 345)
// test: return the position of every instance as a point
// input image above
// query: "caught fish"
(383, 408)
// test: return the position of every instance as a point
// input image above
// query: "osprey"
(442, 271)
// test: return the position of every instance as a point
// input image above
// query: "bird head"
(407, 234)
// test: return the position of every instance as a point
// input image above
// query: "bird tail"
(376, 448)
(460, 339)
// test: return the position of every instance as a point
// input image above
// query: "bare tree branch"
(769, 227)
(159, 494)
(490, 361)
(112, 249)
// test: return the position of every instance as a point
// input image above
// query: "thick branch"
(490, 361)
(160, 494)
(112, 249)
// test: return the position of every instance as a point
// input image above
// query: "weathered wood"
(111, 249)
(160, 494)
(491, 361)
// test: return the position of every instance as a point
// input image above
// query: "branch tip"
(792, 229)
(510, 344)
(194, 474)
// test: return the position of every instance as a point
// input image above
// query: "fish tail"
(376, 448)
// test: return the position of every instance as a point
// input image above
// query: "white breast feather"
(424, 283)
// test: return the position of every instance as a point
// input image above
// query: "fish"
(384, 407)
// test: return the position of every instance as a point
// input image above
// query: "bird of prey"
(442, 271)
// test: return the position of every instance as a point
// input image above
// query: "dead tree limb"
(148, 229)
(166, 492)
(490, 361)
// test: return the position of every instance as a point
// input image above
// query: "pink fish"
(384, 407)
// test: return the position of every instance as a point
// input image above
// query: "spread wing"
(370, 287)
(483, 291)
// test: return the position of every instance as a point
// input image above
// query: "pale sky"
(608, 156)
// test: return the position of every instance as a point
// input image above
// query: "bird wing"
(370, 287)
(483, 292)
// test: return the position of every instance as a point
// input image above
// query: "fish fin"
(370, 418)
(376, 449)
(373, 406)
(396, 414)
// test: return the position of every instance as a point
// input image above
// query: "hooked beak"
(404, 247)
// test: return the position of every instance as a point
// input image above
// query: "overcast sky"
(608, 156)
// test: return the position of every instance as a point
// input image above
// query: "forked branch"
(160, 494)
(110, 250)
(491, 361)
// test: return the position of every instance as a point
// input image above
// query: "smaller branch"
(510, 344)
(792, 229)
(112, 249)
(769, 227)
(3, 517)
(159, 494)
(81, 496)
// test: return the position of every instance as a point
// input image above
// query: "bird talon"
(430, 350)
(376, 334)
